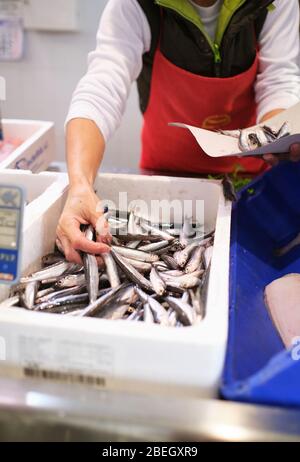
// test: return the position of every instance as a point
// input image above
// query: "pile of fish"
(250, 139)
(152, 274)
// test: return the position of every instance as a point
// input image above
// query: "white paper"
(215, 144)
(11, 38)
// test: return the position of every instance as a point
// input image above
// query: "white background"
(40, 86)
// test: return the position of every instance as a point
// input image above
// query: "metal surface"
(43, 411)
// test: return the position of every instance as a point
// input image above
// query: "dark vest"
(185, 45)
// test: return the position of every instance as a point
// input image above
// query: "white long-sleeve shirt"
(124, 35)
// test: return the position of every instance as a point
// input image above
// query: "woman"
(210, 63)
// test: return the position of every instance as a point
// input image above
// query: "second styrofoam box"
(190, 358)
(37, 149)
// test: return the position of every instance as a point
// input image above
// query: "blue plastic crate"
(258, 368)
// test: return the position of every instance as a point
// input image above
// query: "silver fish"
(157, 282)
(60, 294)
(71, 280)
(91, 269)
(160, 314)
(285, 130)
(50, 272)
(185, 312)
(157, 232)
(131, 272)
(30, 294)
(185, 284)
(195, 260)
(141, 266)
(244, 141)
(153, 247)
(183, 256)
(94, 308)
(136, 254)
(111, 269)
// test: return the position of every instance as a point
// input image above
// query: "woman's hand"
(83, 207)
(294, 152)
(293, 155)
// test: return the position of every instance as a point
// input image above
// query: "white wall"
(40, 86)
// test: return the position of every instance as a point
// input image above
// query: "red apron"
(213, 103)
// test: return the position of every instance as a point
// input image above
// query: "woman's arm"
(96, 110)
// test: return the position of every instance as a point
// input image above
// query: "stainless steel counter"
(42, 411)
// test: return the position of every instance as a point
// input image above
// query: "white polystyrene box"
(190, 359)
(37, 150)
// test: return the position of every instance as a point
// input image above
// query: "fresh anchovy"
(188, 283)
(111, 269)
(261, 137)
(185, 312)
(284, 130)
(127, 295)
(183, 256)
(141, 266)
(136, 316)
(71, 280)
(91, 269)
(50, 272)
(94, 308)
(63, 301)
(182, 277)
(195, 260)
(170, 262)
(154, 246)
(52, 259)
(157, 232)
(157, 282)
(131, 272)
(270, 133)
(135, 254)
(228, 189)
(148, 315)
(243, 141)
(10, 302)
(138, 237)
(44, 292)
(61, 293)
(161, 266)
(173, 273)
(30, 294)
(160, 314)
(287, 248)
